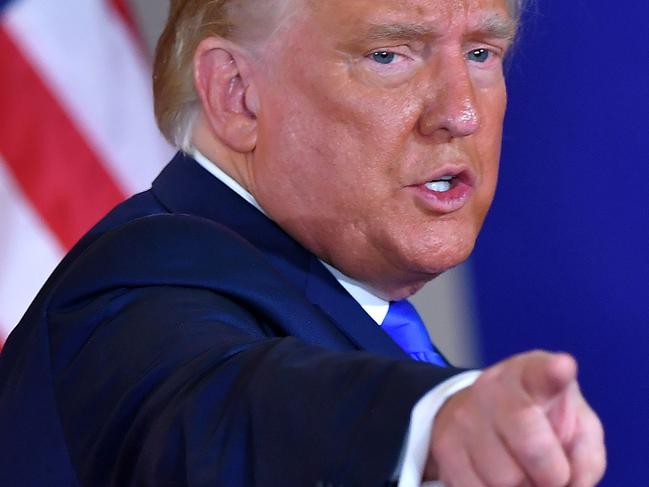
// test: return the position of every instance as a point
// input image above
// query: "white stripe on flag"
(28, 253)
(86, 55)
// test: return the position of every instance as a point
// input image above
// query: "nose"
(451, 109)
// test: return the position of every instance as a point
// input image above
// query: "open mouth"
(442, 185)
(447, 192)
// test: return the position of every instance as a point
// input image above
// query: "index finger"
(546, 375)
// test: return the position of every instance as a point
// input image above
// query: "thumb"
(546, 376)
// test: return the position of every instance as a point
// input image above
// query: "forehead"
(432, 16)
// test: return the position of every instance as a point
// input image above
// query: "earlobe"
(224, 93)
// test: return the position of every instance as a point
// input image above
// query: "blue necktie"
(405, 327)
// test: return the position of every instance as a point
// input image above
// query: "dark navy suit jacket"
(187, 340)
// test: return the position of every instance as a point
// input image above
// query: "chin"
(419, 266)
(441, 254)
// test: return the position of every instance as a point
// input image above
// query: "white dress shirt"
(415, 448)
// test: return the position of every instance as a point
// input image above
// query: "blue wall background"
(563, 261)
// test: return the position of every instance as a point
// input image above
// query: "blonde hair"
(176, 102)
(175, 99)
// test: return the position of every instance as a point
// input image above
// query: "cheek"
(488, 146)
(359, 134)
(490, 136)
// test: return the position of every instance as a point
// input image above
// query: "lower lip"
(452, 200)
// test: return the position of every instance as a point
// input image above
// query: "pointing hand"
(523, 423)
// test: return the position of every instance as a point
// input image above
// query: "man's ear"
(229, 101)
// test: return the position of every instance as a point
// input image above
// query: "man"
(221, 329)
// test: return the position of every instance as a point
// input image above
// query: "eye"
(479, 55)
(384, 57)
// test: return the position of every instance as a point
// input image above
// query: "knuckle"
(553, 479)
(535, 449)
(464, 419)
(529, 421)
(559, 476)
(460, 417)
(508, 478)
(599, 464)
(602, 465)
(447, 478)
(443, 450)
(544, 460)
(449, 470)
(597, 426)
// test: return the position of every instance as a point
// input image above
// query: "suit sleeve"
(158, 397)
(160, 381)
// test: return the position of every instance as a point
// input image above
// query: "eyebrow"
(494, 26)
(498, 26)
(380, 32)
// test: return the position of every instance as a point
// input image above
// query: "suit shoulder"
(174, 251)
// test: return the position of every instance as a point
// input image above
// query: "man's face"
(379, 133)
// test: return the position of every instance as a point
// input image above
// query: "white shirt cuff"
(421, 426)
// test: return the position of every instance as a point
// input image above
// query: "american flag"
(77, 133)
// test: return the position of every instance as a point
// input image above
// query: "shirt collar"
(221, 175)
(374, 306)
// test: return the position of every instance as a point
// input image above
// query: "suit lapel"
(185, 187)
(323, 290)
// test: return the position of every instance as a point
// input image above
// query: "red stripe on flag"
(125, 13)
(53, 164)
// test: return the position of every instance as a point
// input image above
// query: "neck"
(235, 164)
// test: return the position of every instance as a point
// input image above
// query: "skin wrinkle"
(339, 143)
(176, 107)
(344, 146)
(333, 167)
(494, 25)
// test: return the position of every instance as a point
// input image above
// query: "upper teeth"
(440, 185)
